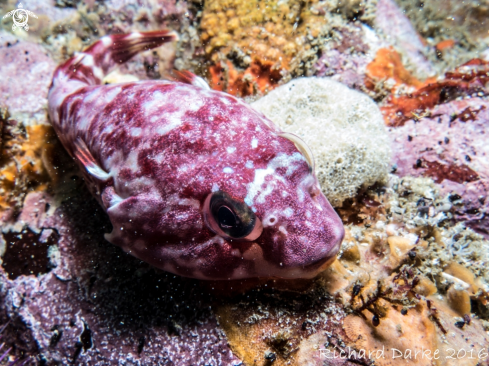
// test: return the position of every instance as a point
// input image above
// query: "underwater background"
(391, 96)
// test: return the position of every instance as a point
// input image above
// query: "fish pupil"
(230, 217)
(226, 217)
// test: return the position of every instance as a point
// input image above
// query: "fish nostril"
(270, 220)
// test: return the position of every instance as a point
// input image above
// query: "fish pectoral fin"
(110, 198)
(85, 157)
(187, 77)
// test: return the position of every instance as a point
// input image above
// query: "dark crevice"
(26, 252)
(86, 337)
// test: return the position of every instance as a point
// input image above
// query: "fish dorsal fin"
(185, 76)
(85, 157)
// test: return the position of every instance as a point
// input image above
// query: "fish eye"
(226, 218)
(231, 218)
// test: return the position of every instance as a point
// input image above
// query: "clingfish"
(194, 181)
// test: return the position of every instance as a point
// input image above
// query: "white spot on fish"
(175, 199)
(173, 121)
(111, 94)
(255, 190)
(89, 62)
(215, 187)
(108, 129)
(132, 161)
(228, 170)
(254, 143)
(136, 131)
(157, 98)
(300, 194)
(159, 158)
(183, 168)
(195, 105)
(249, 164)
(288, 212)
(231, 149)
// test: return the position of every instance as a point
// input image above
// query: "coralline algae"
(439, 131)
(251, 46)
(450, 145)
(25, 71)
(343, 127)
(98, 305)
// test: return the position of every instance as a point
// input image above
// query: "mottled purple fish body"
(194, 181)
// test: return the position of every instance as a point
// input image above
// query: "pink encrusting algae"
(194, 181)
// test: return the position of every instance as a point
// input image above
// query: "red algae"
(465, 80)
(388, 65)
(260, 76)
(439, 172)
(470, 114)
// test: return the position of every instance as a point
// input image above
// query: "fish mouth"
(318, 264)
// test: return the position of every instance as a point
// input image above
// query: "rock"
(352, 49)
(346, 57)
(26, 71)
(253, 46)
(400, 33)
(71, 296)
(67, 296)
(128, 16)
(450, 145)
(343, 128)
(365, 306)
(453, 31)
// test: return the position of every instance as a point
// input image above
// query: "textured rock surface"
(93, 303)
(450, 145)
(346, 57)
(65, 293)
(454, 31)
(343, 128)
(400, 33)
(26, 72)
(388, 290)
(250, 46)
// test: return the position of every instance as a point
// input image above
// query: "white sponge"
(343, 127)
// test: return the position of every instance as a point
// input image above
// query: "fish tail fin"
(90, 66)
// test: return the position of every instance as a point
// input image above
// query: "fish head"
(282, 224)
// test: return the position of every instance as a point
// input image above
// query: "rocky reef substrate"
(412, 274)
